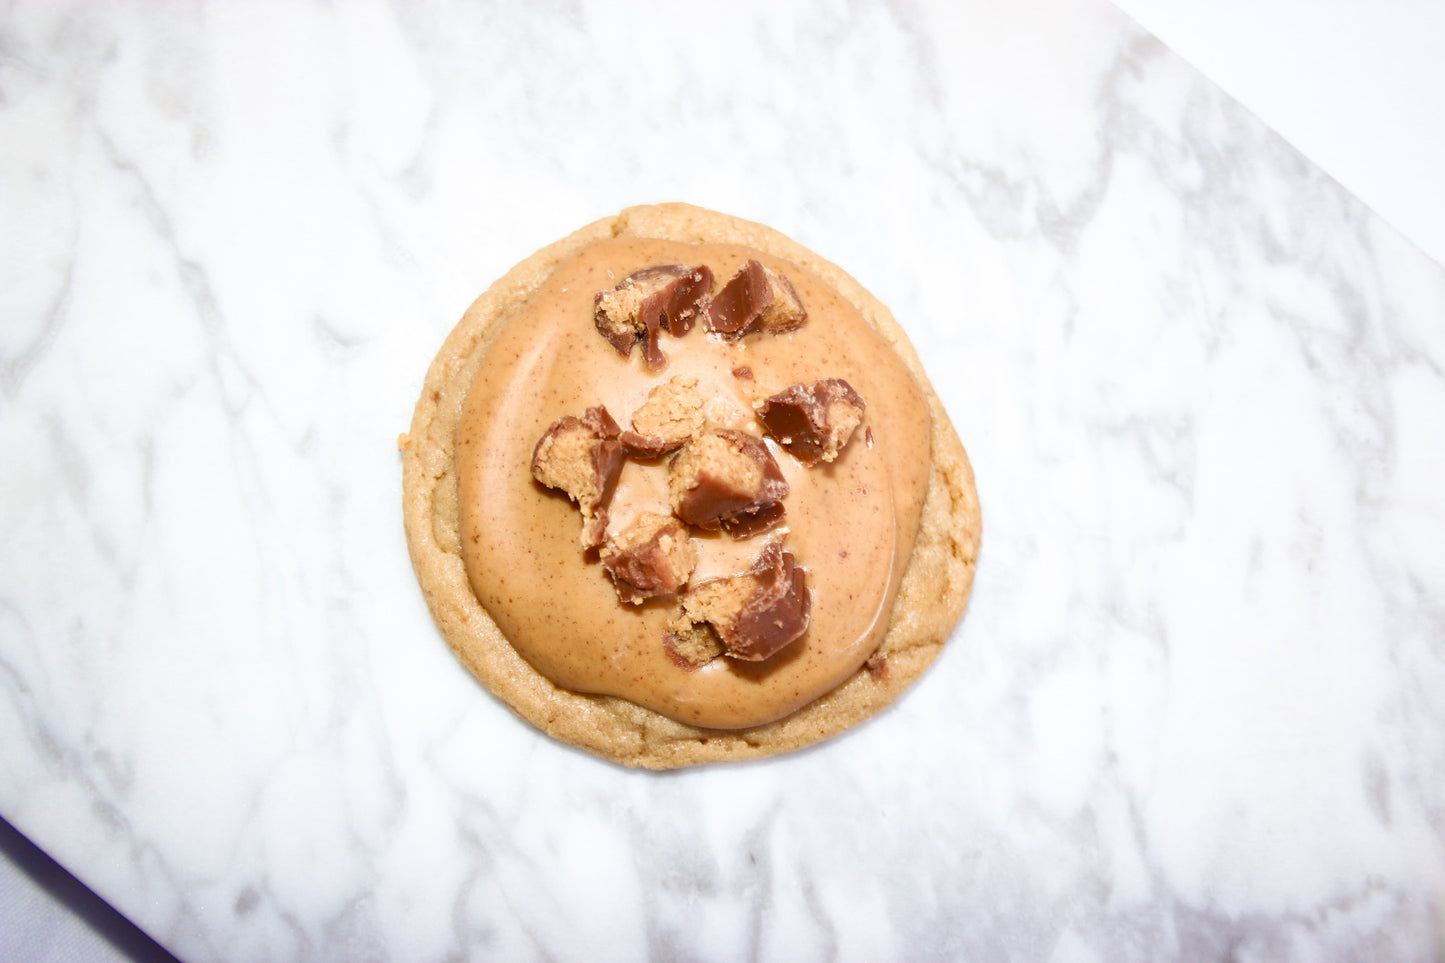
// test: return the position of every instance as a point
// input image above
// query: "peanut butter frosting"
(850, 524)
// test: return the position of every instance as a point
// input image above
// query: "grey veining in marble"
(1197, 707)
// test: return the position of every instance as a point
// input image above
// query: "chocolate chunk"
(743, 373)
(650, 558)
(583, 458)
(727, 479)
(672, 413)
(813, 422)
(665, 297)
(755, 299)
(755, 615)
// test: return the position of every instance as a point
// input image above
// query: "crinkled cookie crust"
(930, 602)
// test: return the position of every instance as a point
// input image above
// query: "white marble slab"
(1358, 86)
(1197, 708)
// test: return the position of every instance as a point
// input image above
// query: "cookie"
(677, 490)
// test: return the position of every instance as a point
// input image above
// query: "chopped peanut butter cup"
(727, 479)
(755, 299)
(813, 422)
(672, 414)
(755, 615)
(665, 296)
(582, 458)
(652, 557)
(691, 644)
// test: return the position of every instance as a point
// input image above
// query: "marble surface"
(1356, 85)
(1196, 709)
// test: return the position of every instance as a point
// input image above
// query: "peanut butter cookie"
(677, 490)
